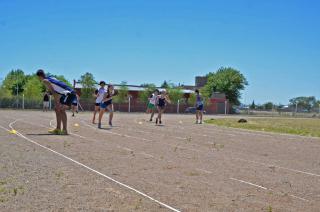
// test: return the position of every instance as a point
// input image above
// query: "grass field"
(296, 126)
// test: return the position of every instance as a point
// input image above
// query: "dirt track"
(186, 166)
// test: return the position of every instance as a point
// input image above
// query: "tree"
(88, 85)
(146, 93)
(175, 94)
(226, 80)
(165, 84)
(15, 81)
(4, 92)
(253, 105)
(268, 106)
(122, 95)
(33, 88)
(306, 103)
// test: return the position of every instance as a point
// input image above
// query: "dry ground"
(178, 166)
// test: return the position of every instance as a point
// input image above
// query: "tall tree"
(15, 81)
(253, 105)
(165, 84)
(226, 80)
(33, 88)
(304, 102)
(88, 85)
(268, 106)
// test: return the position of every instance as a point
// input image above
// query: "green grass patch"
(296, 126)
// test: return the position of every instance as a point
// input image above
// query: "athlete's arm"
(54, 94)
(168, 100)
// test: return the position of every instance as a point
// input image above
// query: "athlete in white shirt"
(99, 94)
(152, 103)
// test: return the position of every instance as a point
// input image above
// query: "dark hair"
(156, 90)
(197, 91)
(40, 73)
(102, 82)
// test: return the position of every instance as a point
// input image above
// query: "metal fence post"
(129, 108)
(225, 107)
(23, 101)
(178, 106)
(50, 104)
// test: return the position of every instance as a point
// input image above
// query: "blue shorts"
(200, 107)
(104, 105)
(68, 99)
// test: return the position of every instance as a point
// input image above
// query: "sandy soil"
(179, 165)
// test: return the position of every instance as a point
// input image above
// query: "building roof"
(138, 88)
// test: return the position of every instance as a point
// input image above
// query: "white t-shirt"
(100, 94)
(153, 99)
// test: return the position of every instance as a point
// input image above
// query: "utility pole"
(17, 92)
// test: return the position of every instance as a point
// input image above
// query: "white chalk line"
(279, 167)
(206, 171)
(264, 188)
(118, 146)
(249, 161)
(91, 169)
(143, 139)
(245, 182)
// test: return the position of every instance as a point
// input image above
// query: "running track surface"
(137, 166)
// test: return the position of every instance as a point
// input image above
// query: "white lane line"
(91, 169)
(264, 188)
(279, 167)
(252, 184)
(300, 198)
(118, 146)
(148, 155)
(205, 171)
(248, 161)
(127, 149)
(144, 139)
(118, 134)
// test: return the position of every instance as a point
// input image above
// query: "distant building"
(133, 90)
(218, 103)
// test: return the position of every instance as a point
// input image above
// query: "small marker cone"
(13, 132)
(76, 125)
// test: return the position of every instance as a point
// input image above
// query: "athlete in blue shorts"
(199, 107)
(106, 104)
(63, 98)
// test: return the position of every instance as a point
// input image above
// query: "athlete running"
(162, 102)
(99, 94)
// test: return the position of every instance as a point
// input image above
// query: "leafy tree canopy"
(226, 80)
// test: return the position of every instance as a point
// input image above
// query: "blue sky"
(274, 43)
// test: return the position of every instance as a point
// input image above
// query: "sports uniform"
(67, 94)
(152, 101)
(199, 103)
(100, 95)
